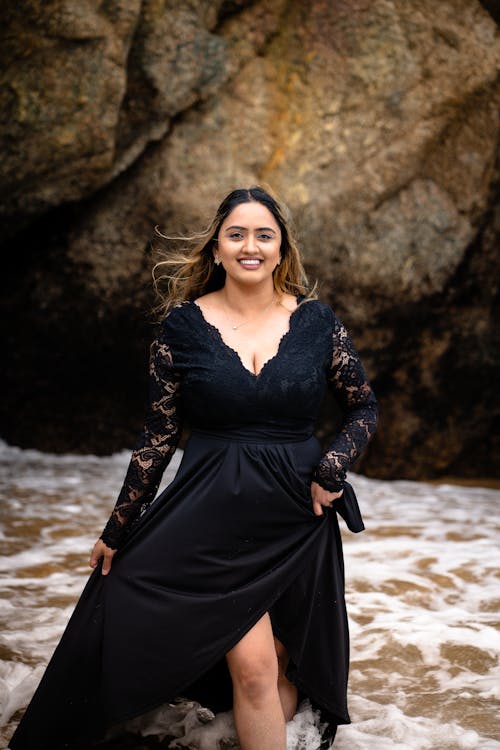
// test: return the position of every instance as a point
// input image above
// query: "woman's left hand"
(322, 498)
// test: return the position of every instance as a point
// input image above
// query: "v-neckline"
(218, 334)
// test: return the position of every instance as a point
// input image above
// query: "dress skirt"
(232, 537)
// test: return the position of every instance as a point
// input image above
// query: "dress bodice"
(219, 392)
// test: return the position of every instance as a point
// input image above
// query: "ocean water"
(423, 593)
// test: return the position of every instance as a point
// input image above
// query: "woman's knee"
(253, 662)
(254, 675)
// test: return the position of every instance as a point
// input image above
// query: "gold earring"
(216, 260)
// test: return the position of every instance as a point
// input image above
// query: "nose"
(251, 243)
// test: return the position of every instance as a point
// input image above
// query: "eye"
(235, 236)
(266, 237)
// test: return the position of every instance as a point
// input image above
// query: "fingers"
(317, 508)
(106, 565)
(321, 498)
(102, 550)
(94, 556)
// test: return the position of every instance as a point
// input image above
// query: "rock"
(85, 87)
(347, 120)
(376, 122)
(63, 81)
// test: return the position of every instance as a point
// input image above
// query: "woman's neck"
(245, 298)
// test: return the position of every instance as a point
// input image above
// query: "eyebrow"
(259, 229)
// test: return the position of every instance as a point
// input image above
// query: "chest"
(280, 373)
(255, 345)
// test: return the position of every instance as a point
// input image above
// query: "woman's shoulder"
(210, 302)
(209, 297)
(289, 301)
(319, 310)
(176, 317)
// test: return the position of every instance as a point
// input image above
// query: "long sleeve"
(347, 379)
(154, 447)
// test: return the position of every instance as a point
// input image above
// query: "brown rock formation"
(86, 85)
(376, 121)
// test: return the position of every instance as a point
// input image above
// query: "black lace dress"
(231, 537)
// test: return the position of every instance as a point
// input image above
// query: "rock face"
(87, 85)
(376, 121)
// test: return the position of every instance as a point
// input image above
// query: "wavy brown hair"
(192, 272)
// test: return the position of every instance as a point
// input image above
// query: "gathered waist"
(256, 433)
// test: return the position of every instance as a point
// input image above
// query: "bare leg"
(286, 689)
(253, 665)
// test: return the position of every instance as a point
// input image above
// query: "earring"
(216, 260)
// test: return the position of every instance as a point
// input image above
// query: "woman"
(229, 587)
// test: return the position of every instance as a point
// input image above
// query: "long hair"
(192, 272)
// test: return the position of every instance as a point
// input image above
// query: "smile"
(250, 262)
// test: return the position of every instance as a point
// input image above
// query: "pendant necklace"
(239, 325)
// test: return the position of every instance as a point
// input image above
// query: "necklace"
(239, 325)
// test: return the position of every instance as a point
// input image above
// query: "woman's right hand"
(102, 550)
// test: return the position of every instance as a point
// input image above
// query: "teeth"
(250, 262)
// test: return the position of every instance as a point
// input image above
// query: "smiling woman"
(229, 587)
(248, 248)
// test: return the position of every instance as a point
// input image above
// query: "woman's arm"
(153, 449)
(347, 379)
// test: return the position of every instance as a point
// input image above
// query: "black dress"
(231, 537)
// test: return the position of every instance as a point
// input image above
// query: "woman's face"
(249, 243)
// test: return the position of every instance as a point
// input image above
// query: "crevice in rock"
(231, 8)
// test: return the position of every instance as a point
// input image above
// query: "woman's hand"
(321, 497)
(102, 550)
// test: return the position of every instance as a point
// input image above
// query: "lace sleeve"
(348, 381)
(154, 447)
